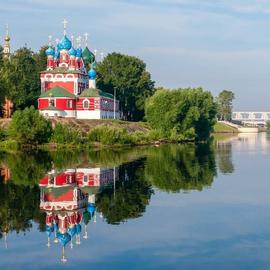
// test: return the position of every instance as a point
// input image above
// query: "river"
(167, 207)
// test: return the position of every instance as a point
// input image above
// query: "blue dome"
(91, 208)
(58, 46)
(49, 230)
(72, 52)
(78, 228)
(50, 51)
(92, 73)
(79, 52)
(72, 231)
(65, 44)
(63, 238)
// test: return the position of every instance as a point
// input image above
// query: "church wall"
(43, 103)
(62, 103)
(92, 102)
(86, 114)
(50, 113)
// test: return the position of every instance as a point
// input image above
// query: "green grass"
(223, 128)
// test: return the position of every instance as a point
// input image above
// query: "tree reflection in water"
(178, 168)
(65, 189)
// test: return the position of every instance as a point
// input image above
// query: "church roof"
(93, 92)
(57, 92)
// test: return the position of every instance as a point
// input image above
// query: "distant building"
(6, 46)
(68, 85)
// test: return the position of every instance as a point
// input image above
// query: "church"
(68, 85)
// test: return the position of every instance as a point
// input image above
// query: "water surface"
(167, 207)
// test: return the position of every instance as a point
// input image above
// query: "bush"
(29, 127)
(65, 134)
(109, 135)
(3, 134)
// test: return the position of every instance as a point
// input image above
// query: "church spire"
(6, 47)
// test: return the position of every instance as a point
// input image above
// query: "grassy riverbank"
(77, 134)
(74, 133)
(223, 128)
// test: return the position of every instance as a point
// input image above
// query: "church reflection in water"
(68, 199)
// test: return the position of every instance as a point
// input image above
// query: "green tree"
(224, 101)
(182, 113)
(41, 59)
(23, 79)
(29, 127)
(126, 75)
(3, 81)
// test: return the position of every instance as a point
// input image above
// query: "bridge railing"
(251, 116)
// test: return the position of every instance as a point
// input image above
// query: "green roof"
(93, 92)
(57, 92)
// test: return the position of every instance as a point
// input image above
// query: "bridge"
(251, 118)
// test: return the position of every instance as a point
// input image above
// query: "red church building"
(68, 85)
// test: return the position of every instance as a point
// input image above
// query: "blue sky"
(216, 44)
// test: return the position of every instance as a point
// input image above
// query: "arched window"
(86, 104)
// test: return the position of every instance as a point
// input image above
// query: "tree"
(126, 75)
(224, 101)
(182, 114)
(41, 59)
(29, 127)
(23, 79)
(3, 83)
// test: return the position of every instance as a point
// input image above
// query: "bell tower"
(6, 47)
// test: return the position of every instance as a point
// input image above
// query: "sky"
(215, 44)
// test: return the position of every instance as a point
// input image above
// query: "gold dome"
(7, 38)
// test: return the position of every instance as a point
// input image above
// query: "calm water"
(167, 207)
